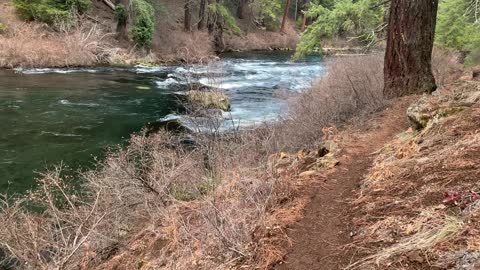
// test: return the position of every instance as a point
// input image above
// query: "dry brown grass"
(264, 40)
(194, 47)
(406, 218)
(31, 45)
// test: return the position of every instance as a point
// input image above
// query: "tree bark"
(408, 68)
(201, 14)
(241, 8)
(188, 16)
(122, 31)
(304, 23)
(285, 16)
(210, 19)
(304, 19)
(218, 32)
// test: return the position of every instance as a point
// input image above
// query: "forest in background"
(197, 30)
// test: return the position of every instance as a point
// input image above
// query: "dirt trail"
(319, 239)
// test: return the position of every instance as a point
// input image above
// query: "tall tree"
(188, 16)
(304, 16)
(210, 18)
(121, 14)
(408, 68)
(285, 16)
(201, 14)
(241, 8)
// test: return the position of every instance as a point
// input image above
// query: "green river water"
(70, 116)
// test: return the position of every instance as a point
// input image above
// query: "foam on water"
(147, 69)
(66, 102)
(55, 70)
(165, 84)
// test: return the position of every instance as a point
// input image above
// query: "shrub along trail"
(321, 238)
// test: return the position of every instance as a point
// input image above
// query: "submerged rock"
(209, 99)
(172, 123)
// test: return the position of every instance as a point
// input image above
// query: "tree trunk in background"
(210, 19)
(241, 8)
(408, 68)
(201, 14)
(218, 31)
(188, 16)
(304, 23)
(304, 20)
(122, 32)
(285, 16)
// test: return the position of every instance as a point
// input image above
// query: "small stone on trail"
(307, 173)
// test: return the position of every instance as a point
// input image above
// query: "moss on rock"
(209, 99)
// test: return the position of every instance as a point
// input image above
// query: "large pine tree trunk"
(408, 68)
(188, 16)
(285, 16)
(201, 14)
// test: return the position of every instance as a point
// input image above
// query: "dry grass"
(263, 40)
(423, 240)
(30, 45)
(37, 45)
(194, 47)
(405, 216)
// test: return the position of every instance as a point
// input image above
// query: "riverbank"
(93, 41)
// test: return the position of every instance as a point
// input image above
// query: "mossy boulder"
(213, 99)
(429, 109)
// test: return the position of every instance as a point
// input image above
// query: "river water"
(71, 116)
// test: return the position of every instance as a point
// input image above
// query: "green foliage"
(346, 17)
(3, 28)
(121, 14)
(457, 26)
(222, 11)
(267, 12)
(143, 23)
(51, 11)
(159, 7)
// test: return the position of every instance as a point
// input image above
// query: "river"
(71, 116)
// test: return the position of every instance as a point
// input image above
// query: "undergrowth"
(143, 23)
(51, 11)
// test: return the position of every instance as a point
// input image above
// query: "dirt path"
(319, 239)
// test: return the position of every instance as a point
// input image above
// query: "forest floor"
(401, 198)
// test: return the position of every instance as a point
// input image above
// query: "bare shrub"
(445, 65)
(194, 47)
(263, 41)
(352, 86)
